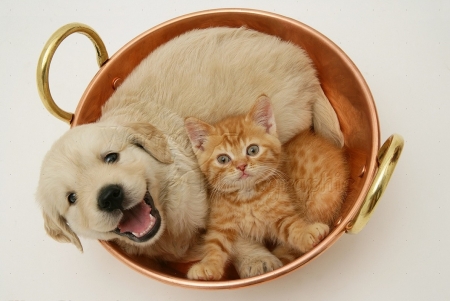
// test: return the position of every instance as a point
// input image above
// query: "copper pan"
(371, 166)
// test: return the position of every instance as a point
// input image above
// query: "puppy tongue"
(136, 219)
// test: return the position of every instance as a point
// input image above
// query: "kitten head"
(240, 151)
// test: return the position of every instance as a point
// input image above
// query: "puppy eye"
(111, 158)
(223, 159)
(252, 150)
(72, 198)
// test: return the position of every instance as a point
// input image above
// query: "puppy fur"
(208, 74)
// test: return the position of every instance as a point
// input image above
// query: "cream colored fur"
(208, 74)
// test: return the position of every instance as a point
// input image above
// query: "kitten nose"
(241, 166)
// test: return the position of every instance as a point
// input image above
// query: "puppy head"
(104, 182)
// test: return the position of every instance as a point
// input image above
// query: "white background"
(402, 49)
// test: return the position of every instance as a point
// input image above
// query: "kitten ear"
(198, 132)
(262, 114)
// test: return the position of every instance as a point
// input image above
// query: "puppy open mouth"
(141, 222)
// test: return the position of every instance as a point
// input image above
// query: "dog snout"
(110, 198)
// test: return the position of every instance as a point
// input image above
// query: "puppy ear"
(152, 140)
(58, 229)
(198, 132)
(262, 114)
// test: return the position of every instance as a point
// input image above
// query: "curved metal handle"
(46, 58)
(388, 156)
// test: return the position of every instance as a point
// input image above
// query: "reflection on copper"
(340, 79)
(116, 83)
(363, 171)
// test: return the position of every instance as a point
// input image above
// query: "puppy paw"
(254, 266)
(313, 234)
(205, 271)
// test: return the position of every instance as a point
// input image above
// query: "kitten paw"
(314, 234)
(204, 271)
(254, 266)
(285, 254)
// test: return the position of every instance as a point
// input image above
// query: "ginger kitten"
(262, 191)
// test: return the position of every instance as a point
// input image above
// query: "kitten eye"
(223, 159)
(111, 158)
(252, 150)
(72, 198)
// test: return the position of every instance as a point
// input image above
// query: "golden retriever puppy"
(132, 176)
(120, 182)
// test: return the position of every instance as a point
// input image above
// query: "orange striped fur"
(260, 190)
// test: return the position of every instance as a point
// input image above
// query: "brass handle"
(388, 156)
(46, 58)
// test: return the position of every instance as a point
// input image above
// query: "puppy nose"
(110, 198)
